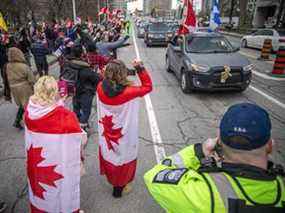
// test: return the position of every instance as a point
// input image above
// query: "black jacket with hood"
(80, 73)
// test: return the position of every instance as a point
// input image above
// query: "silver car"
(207, 61)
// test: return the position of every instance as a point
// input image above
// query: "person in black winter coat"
(86, 85)
(3, 62)
(24, 45)
(40, 52)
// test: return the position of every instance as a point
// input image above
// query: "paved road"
(182, 120)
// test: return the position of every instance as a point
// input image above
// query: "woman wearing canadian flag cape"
(53, 148)
(118, 105)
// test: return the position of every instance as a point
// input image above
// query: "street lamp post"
(74, 10)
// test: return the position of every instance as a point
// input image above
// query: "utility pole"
(74, 10)
(99, 8)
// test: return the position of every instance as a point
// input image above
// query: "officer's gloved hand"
(212, 148)
(138, 65)
(126, 37)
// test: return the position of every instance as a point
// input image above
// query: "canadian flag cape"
(118, 141)
(53, 143)
(118, 131)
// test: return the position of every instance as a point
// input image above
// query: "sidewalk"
(51, 60)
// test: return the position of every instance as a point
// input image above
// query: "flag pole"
(74, 10)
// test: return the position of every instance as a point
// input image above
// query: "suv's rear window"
(158, 27)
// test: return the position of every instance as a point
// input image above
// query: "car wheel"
(244, 43)
(185, 83)
(167, 65)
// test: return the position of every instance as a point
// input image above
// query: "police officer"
(229, 174)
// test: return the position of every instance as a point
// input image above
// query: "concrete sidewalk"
(51, 60)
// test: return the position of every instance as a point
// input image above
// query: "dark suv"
(156, 33)
(207, 61)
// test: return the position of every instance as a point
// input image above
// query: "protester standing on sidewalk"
(85, 80)
(118, 106)
(24, 45)
(53, 141)
(21, 80)
(40, 52)
(106, 48)
(3, 62)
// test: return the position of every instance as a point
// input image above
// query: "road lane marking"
(155, 133)
(270, 98)
(265, 76)
(262, 75)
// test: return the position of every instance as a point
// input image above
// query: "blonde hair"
(117, 73)
(45, 91)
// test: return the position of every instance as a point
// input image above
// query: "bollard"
(266, 50)
(279, 64)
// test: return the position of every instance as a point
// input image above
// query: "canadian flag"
(104, 10)
(53, 144)
(189, 23)
(69, 23)
(118, 131)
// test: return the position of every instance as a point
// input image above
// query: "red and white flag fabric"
(68, 23)
(104, 10)
(189, 22)
(118, 131)
(53, 144)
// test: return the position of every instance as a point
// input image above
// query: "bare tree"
(243, 13)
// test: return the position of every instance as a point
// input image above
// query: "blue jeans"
(82, 106)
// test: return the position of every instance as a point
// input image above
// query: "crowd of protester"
(80, 46)
(87, 57)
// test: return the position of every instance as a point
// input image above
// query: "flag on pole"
(189, 22)
(78, 20)
(3, 24)
(215, 20)
(104, 10)
(53, 153)
(68, 23)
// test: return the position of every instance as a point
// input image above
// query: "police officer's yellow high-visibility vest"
(179, 186)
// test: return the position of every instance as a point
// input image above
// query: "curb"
(277, 75)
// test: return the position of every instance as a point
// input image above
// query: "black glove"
(139, 68)
(127, 37)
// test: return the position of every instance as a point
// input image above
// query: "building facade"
(266, 13)
(160, 5)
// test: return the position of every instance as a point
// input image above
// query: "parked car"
(156, 33)
(256, 39)
(207, 61)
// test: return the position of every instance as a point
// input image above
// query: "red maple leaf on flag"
(109, 133)
(40, 174)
